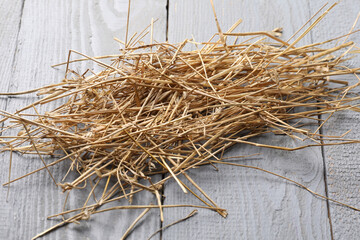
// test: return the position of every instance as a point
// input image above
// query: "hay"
(159, 109)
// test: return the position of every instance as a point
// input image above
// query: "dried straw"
(158, 108)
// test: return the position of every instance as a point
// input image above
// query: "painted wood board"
(259, 206)
(342, 162)
(48, 30)
(10, 18)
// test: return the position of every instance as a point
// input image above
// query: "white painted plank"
(48, 30)
(342, 162)
(10, 15)
(259, 206)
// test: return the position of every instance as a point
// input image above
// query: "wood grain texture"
(342, 162)
(259, 206)
(39, 33)
(10, 17)
(48, 30)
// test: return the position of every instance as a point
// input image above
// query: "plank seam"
(167, 20)
(325, 180)
(163, 175)
(323, 153)
(162, 192)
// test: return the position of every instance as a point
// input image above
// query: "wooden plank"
(260, 206)
(342, 162)
(48, 30)
(10, 18)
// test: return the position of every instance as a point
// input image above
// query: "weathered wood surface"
(342, 162)
(47, 31)
(259, 206)
(10, 18)
(36, 34)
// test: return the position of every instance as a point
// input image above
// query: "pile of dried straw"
(158, 108)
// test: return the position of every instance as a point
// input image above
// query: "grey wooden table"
(37, 33)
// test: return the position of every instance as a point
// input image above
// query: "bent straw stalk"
(158, 108)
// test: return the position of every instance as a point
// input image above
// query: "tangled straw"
(158, 108)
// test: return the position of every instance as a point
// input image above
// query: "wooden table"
(35, 34)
